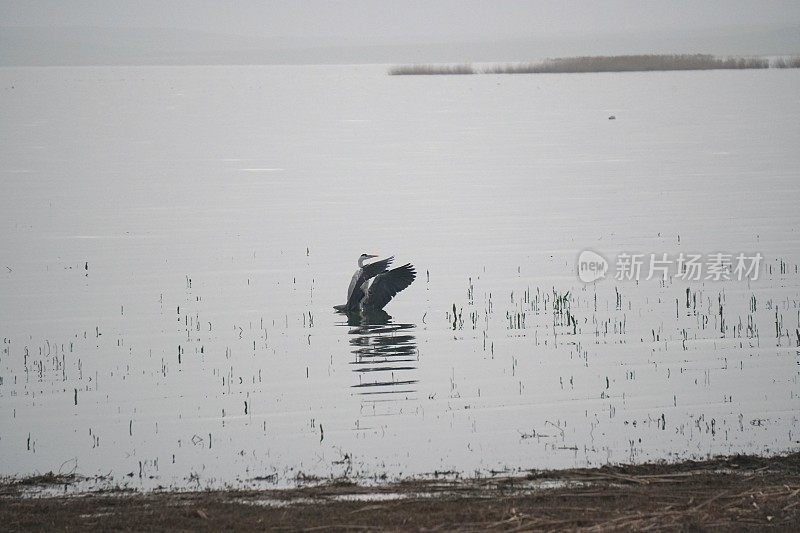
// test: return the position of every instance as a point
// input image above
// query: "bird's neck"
(361, 262)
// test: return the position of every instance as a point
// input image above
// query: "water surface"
(172, 241)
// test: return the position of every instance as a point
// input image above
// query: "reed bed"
(786, 62)
(632, 63)
(624, 63)
(406, 70)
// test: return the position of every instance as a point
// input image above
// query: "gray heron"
(373, 285)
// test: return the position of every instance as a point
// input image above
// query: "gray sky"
(353, 31)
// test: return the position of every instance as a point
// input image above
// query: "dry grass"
(736, 493)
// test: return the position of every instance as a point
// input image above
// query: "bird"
(373, 285)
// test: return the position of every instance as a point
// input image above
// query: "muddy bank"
(740, 492)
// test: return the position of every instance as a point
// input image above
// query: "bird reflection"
(385, 354)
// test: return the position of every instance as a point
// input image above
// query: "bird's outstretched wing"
(387, 285)
(373, 269)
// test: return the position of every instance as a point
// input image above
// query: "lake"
(173, 239)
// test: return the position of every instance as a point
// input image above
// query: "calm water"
(172, 241)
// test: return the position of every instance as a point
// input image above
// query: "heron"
(373, 285)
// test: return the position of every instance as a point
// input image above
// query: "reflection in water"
(386, 354)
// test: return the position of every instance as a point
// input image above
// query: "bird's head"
(363, 258)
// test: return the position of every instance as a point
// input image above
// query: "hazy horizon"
(356, 31)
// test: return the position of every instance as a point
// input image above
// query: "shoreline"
(736, 492)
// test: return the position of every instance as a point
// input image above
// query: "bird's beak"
(371, 256)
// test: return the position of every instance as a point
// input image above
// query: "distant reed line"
(631, 63)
